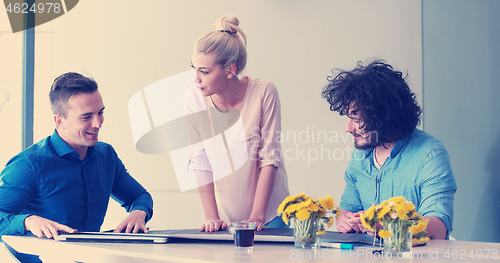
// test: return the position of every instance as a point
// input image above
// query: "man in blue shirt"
(63, 183)
(392, 157)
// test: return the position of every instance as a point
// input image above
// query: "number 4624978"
(473, 253)
(24, 8)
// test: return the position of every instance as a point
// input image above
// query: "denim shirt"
(49, 180)
(418, 169)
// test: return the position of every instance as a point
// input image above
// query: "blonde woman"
(257, 182)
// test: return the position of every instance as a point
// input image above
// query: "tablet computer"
(111, 237)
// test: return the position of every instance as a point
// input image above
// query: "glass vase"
(400, 240)
(304, 233)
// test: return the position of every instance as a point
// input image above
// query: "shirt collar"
(396, 149)
(400, 144)
(62, 148)
(368, 152)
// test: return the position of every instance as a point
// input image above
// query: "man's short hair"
(385, 102)
(67, 85)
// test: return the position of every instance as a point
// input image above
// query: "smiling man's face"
(362, 139)
(83, 120)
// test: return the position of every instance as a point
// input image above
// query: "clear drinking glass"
(244, 233)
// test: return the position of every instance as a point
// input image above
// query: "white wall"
(127, 45)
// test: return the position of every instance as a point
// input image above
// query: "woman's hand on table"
(213, 225)
(260, 224)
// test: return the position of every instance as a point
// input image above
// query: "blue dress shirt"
(418, 169)
(49, 180)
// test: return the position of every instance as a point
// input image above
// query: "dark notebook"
(163, 236)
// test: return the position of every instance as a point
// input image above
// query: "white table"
(224, 251)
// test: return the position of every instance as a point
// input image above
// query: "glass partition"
(11, 57)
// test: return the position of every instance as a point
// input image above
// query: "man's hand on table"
(350, 222)
(41, 227)
(133, 223)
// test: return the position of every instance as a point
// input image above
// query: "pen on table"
(336, 245)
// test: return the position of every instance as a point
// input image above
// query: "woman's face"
(209, 77)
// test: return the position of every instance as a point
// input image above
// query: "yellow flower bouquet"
(398, 217)
(309, 216)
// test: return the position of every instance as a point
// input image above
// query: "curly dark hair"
(385, 102)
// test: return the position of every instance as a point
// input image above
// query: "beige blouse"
(235, 145)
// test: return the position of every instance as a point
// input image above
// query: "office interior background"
(449, 48)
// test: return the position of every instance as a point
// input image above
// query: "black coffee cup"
(244, 233)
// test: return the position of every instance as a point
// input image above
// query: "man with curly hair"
(392, 157)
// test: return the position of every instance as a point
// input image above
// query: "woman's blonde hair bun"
(228, 42)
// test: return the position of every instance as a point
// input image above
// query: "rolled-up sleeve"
(351, 199)
(270, 129)
(194, 109)
(437, 187)
(198, 159)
